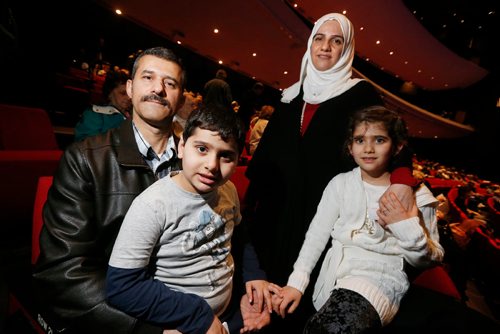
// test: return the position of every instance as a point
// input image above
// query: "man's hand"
(254, 318)
(217, 327)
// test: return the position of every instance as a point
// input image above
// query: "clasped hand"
(284, 300)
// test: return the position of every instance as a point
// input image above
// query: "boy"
(171, 263)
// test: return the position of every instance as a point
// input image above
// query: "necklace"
(302, 116)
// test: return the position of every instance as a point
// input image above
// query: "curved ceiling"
(277, 36)
(390, 36)
(266, 39)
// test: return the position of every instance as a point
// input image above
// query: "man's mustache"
(156, 98)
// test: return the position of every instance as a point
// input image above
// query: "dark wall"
(50, 36)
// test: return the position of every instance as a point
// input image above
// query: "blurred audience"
(115, 108)
(258, 128)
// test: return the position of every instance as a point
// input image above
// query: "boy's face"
(207, 161)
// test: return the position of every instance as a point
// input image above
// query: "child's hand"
(287, 301)
(259, 295)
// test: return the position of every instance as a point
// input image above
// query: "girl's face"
(327, 45)
(207, 161)
(372, 149)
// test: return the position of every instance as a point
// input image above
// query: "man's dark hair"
(164, 53)
(213, 118)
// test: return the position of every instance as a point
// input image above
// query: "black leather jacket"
(95, 183)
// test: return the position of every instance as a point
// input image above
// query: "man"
(96, 182)
(217, 91)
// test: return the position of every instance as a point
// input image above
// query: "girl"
(362, 279)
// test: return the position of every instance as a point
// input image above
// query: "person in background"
(191, 102)
(251, 102)
(301, 151)
(362, 278)
(93, 187)
(116, 108)
(218, 91)
(171, 263)
(235, 105)
(257, 129)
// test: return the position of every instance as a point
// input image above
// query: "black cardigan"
(288, 174)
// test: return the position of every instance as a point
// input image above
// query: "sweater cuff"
(403, 175)
(298, 280)
(407, 230)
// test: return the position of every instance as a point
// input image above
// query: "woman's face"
(327, 45)
(119, 98)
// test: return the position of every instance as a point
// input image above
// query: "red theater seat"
(25, 128)
(437, 279)
(240, 181)
(44, 184)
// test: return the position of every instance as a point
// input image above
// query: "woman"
(301, 151)
(115, 109)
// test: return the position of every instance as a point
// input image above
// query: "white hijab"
(320, 86)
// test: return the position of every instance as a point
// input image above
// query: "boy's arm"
(134, 292)
(130, 285)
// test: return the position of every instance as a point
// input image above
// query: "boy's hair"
(214, 118)
(163, 53)
(392, 121)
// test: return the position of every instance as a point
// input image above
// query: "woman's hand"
(391, 210)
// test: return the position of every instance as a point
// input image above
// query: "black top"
(288, 174)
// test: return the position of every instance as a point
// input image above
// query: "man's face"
(155, 91)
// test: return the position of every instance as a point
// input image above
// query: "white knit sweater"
(368, 262)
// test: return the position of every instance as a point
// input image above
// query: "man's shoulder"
(95, 141)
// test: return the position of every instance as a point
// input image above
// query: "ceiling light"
(216, 31)
(220, 62)
(254, 54)
(118, 11)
